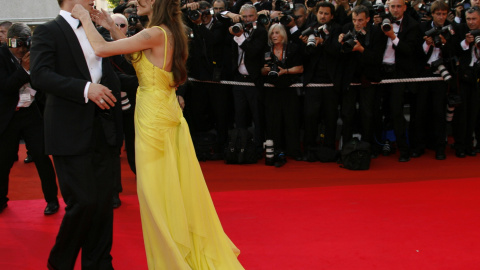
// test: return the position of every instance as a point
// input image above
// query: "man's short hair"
(60, 2)
(246, 7)
(439, 5)
(19, 30)
(204, 5)
(299, 6)
(325, 4)
(223, 1)
(6, 24)
(361, 9)
(473, 10)
(118, 15)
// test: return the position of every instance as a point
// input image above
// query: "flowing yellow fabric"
(180, 226)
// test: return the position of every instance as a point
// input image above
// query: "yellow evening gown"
(181, 228)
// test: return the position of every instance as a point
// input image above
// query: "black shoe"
(116, 202)
(417, 153)
(52, 208)
(3, 206)
(28, 159)
(440, 154)
(404, 158)
(471, 153)
(460, 153)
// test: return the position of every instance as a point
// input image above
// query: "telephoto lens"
(386, 25)
(236, 28)
(269, 153)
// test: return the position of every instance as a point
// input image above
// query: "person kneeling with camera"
(283, 62)
(430, 99)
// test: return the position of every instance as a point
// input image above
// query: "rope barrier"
(387, 81)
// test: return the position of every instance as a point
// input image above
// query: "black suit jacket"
(329, 52)
(60, 70)
(447, 50)
(254, 48)
(409, 48)
(367, 63)
(12, 77)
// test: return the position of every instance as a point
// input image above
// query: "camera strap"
(284, 55)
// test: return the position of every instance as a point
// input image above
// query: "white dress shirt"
(389, 56)
(94, 62)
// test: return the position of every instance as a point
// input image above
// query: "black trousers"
(248, 102)
(209, 103)
(427, 114)
(86, 183)
(395, 94)
(28, 124)
(320, 103)
(365, 96)
(282, 113)
(129, 133)
(465, 115)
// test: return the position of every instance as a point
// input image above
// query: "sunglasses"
(122, 25)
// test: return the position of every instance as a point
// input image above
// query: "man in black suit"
(466, 113)
(362, 61)
(428, 109)
(20, 115)
(399, 61)
(321, 66)
(81, 134)
(248, 56)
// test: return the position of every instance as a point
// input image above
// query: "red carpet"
(423, 214)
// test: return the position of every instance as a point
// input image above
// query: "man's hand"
(101, 95)
(428, 40)
(358, 47)
(26, 61)
(340, 38)
(469, 38)
(390, 33)
(235, 17)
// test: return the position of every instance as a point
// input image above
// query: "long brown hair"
(168, 12)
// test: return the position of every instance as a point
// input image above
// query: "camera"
(19, 42)
(269, 153)
(238, 27)
(425, 9)
(435, 33)
(312, 32)
(271, 61)
(476, 34)
(263, 19)
(349, 40)
(382, 11)
(133, 19)
(282, 5)
(460, 3)
(452, 101)
(194, 15)
(440, 68)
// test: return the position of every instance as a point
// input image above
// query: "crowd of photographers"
(340, 52)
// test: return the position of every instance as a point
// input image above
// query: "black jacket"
(12, 78)
(365, 65)
(59, 69)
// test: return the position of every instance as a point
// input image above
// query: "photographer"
(344, 9)
(135, 22)
(466, 113)
(363, 51)
(323, 51)
(428, 111)
(403, 40)
(283, 63)
(208, 60)
(250, 41)
(21, 116)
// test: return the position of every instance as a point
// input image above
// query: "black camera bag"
(240, 148)
(356, 155)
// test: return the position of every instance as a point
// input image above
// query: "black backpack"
(356, 155)
(240, 148)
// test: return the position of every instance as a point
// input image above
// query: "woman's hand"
(79, 11)
(103, 19)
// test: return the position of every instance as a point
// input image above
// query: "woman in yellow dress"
(181, 228)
